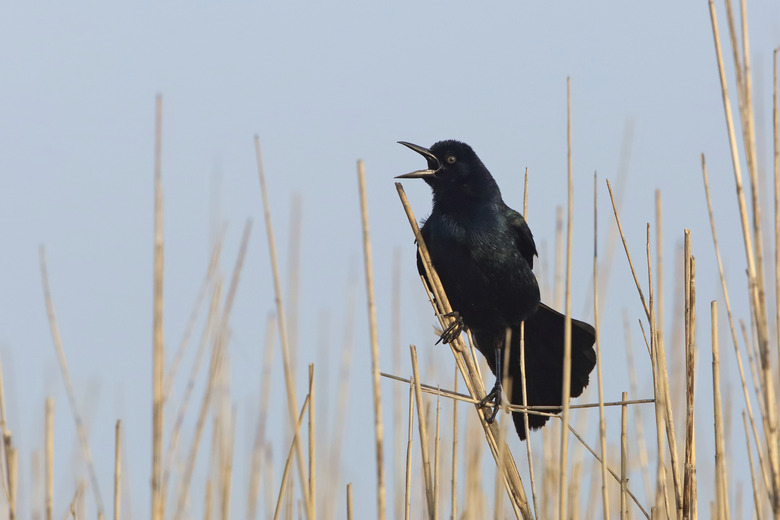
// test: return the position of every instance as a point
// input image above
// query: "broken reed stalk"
(49, 440)
(289, 376)
(623, 459)
(602, 421)
(467, 367)
(409, 445)
(689, 477)
(423, 429)
(372, 327)
(290, 454)
(721, 478)
(158, 337)
(81, 430)
(117, 468)
(566, 391)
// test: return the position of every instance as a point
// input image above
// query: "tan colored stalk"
(422, 426)
(454, 468)
(395, 349)
(378, 429)
(602, 421)
(288, 461)
(436, 441)
(312, 437)
(117, 468)
(49, 422)
(756, 499)
(409, 445)
(623, 459)
(13, 480)
(158, 337)
(293, 281)
(721, 477)
(689, 479)
(289, 376)
(566, 391)
(776, 149)
(81, 430)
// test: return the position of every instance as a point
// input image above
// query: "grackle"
(483, 252)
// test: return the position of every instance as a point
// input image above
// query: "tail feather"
(544, 342)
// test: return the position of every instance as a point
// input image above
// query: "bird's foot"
(454, 329)
(492, 399)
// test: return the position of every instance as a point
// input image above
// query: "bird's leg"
(454, 329)
(494, 397)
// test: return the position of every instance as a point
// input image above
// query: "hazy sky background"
(324, 84)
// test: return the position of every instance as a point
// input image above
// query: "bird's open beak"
(432, 160)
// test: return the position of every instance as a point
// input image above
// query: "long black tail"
(544, 338)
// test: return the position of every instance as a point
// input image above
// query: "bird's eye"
(451, 159)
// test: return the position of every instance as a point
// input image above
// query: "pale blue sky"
(323, 85)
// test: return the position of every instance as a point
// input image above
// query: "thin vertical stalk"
(158, 337)
(756, 499)
(409, 444)
(454, 469)
(349, 501)
(689, 478)
(602, 421)
(721, 477)
(49, 458)
(421, 424)
(289, 377)
(378, 429)
(566, 391)
(312, 437)
(436, 459)
(623, 458)
(117, 468)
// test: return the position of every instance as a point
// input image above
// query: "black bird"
(483, 252)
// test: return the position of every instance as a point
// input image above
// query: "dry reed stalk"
(437, 441)
(378, 429)
(289, 376)
(215, 365)
(756, 499)
(602, 421)
(528, 451)
(397, 394)
(623, 459)
(312, 437)
(258, 448)
(117, 468)
(502, 430)
(288, 461)
(349, 501)
(80, 429)
(454, 468)
(721, 478)
(467, 367)
(776, 150)
(49, 441)
(423, 429)
(226, 464)
(409, 444)
(689, 479)
(732, 327)
(158, 337)
(574, 489)
(567, 323)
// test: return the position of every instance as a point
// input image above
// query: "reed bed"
(445, 460)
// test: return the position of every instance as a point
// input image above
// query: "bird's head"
(453, 170)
